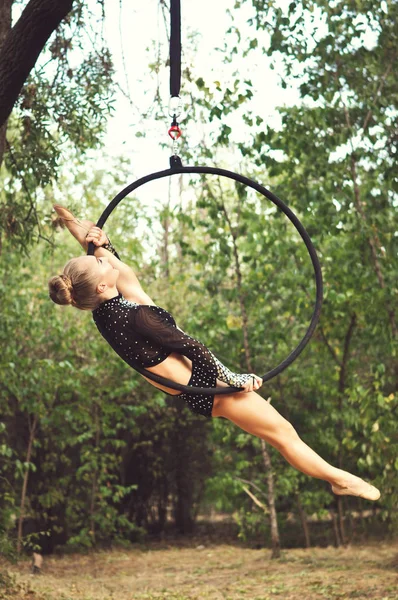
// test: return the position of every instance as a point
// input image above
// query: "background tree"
(96, 467)
(60, 89)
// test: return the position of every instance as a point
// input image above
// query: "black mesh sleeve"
(151, 325)
(224, 374)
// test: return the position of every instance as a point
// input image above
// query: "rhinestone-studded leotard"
(145, 335)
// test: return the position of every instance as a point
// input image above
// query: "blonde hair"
(75, 286)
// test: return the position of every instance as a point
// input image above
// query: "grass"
(212, 572)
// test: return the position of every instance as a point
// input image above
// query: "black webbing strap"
(175, 48)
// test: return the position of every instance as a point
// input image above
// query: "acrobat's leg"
(256, 416)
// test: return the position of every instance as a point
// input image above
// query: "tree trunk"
(362, 516)
(304, 523)
(183, 504)
(94, 485)
(32, 432)
(243, 312)
(337, 541)
(165, 223)
(275, 539)
(341, 389)
(5, 20)
(162, 505)
(374, 243)
(340, 512)
(183, 485)
(23, 44)
(5, 27)
(352, 525)
(340, 424)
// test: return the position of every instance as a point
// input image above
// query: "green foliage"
(252, 524)
(8, 585)
(60, 115)
(111, 458)
(332, 161)
(7, 512)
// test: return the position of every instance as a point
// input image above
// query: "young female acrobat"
(146, 335)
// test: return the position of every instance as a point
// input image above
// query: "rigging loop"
(175, 107)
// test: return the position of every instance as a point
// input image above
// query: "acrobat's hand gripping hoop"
(176, 169)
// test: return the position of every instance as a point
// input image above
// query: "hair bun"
(67, 281)
(76, 286)
(60, 289)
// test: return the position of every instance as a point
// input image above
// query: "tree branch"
(5, 27)
(344, 361)
(328, 346)
(247, 481)
(255, 500)
(238, 273)
(373, 241)
(378, 92)
(22, 46)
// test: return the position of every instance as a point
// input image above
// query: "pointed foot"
(355, 486)
(68, 219)
(63, 213)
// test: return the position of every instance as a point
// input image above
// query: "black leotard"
(146, 335)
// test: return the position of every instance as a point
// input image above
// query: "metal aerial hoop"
(176, 168)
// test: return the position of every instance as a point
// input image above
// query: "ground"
(214, 572)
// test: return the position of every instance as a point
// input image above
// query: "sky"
(136, 32)
(134, 28)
